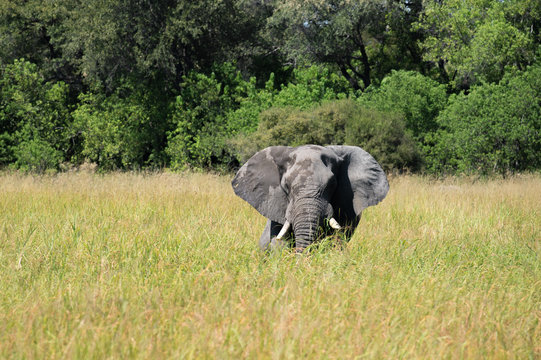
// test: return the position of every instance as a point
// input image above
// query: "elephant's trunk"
(308, 216)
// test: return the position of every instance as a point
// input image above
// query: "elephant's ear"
(361, 180)
(258, 182)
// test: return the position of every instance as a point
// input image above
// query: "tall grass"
(165, 265)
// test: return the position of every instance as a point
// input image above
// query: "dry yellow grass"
(166, 265)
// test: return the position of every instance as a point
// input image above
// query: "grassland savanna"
(166, 265)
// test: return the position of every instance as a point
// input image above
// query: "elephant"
(308, 190)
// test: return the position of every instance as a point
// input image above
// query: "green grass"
(167, 266)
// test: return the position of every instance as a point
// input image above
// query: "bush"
(211, 109)
(34, 114)
(417, 97)
(199, 117)
(494, 129)
(36, 156)
(308, 86)
(312, 85)
(382, 134)
(124, 130)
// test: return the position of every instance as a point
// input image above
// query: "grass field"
(166, 266)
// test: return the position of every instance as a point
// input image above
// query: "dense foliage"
(35, 118)
(496, 128)
(438, 86)
(383, 134)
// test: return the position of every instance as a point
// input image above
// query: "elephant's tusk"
(334, 224)
(284, 230)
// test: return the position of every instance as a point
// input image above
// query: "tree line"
(436, 86)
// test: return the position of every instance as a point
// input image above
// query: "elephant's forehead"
(312, 157)
(287, 156)
(308, 150)
(306, 153)
(307, 166)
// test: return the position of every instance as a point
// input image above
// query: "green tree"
(383, 134)
(32, 30)
(199, 117)
(157, 40)
(101, 42)
(494, 129)
(525, 15)
(308, 87)
(124, 130)
(417, 97)
(364, 39)
(211, 109)
(474, 40)
(32, 111)
(37, 156)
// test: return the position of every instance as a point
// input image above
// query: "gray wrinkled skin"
(307, 185)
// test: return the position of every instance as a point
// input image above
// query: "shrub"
(199, 117)
(123, 130)
(494, 129)
(312, 85)
(36, 156)
(382, 134)
(34, 114)
(417, 97)
(308, 86)
(211, 109)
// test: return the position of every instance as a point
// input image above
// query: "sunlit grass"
(166, 265)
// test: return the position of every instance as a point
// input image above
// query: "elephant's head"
(310, 185)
